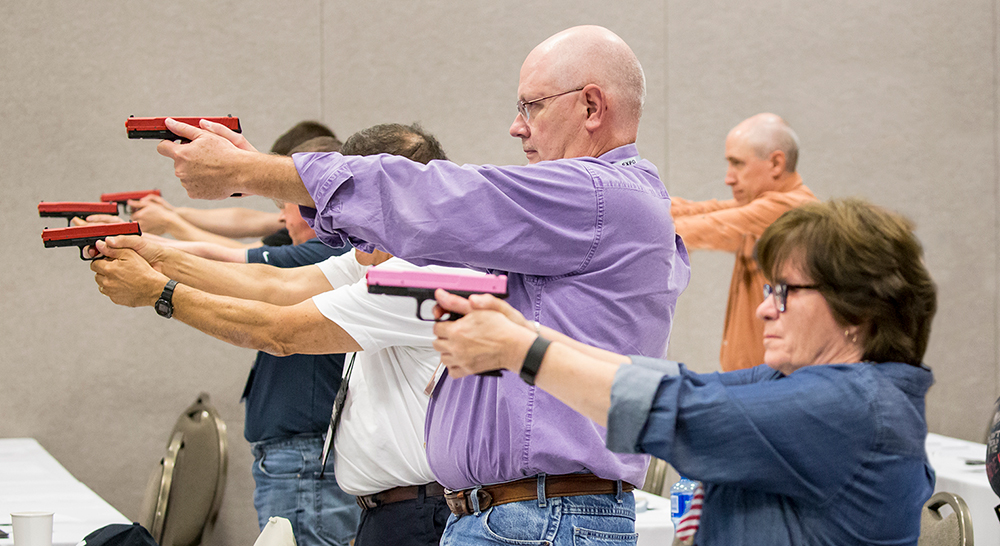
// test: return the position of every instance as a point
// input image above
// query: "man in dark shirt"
(288, 401)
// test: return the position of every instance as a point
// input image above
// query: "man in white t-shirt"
(379, 451)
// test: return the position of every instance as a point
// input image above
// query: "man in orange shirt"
(762, 152)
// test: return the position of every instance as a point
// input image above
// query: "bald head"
(582, 92)
(761, 151)
(766, 133)
(592, 54)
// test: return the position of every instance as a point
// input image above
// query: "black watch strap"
(165, 305)
(533, 360)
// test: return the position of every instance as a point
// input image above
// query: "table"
(31, 479)
(653, 523)
(950, 458)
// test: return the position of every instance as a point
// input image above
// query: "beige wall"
(893, 100)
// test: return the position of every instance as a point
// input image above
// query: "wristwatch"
(165, 305)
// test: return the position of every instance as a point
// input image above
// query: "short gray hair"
(767, 137)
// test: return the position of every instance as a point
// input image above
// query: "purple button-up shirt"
(589, 248)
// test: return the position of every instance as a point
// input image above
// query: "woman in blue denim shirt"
(824, 443)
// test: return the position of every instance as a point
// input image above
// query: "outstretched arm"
(233, 222)
(158, 220)
(213, 165)
(279, 330)
(209, 251)
(680, 207)
(259, 282)
(725, 228)
(736, 428)
(236, 222)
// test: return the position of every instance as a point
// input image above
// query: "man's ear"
(597, 106)
(778, 160)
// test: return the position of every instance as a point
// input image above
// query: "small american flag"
(688, 525)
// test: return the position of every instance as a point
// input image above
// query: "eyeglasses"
(781, 291)
(522, 105)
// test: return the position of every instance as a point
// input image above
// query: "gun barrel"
(124, 196)
(459, 284)
(85, 235)
(69, 209)
(156, 128)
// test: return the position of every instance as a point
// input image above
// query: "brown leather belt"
(565, 485)
(399, 494)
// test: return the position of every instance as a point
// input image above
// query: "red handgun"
(156, 128)
(122, 197)
(70, 210)
(84, 236)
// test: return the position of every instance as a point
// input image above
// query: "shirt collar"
(620, 153)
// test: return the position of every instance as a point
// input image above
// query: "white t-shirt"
(380, 442)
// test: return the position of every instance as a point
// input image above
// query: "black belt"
(399, 494)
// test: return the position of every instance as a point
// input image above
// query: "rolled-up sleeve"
(442, 213)
(322, 174)
(632, 397)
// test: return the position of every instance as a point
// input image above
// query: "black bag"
(993, 453)
(119, 534)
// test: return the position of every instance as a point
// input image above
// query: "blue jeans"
(571, 521)
(286, 471)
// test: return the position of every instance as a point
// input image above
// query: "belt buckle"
(456, 501)
(459, 502)
(367, 502)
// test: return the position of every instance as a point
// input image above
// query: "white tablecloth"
(31, 479)
(652, 519)
(960, 468)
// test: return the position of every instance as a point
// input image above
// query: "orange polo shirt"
(728, 226)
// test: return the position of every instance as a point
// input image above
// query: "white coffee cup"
(32, 528)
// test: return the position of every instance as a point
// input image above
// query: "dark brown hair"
(303, 131)
(410, 141)
(318, 144)
(868, 265)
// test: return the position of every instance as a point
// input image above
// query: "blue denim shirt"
(830, 454)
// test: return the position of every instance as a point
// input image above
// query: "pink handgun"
(421, 285)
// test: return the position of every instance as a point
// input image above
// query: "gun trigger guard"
(420, 304)
(449, 315)
(85, 258)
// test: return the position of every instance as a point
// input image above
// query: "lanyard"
(338, 409)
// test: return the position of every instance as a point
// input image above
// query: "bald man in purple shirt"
(584, 234)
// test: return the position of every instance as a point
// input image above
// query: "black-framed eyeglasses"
(780, 292)
(522, 105)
